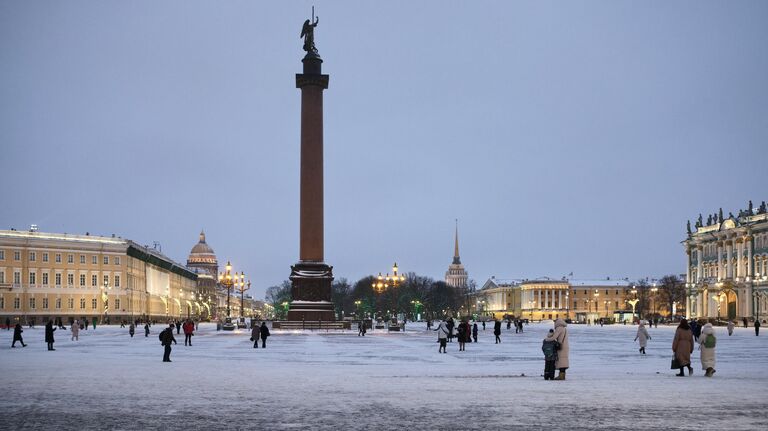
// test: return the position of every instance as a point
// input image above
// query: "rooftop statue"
(308, 33)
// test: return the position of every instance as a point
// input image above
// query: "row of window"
(57, 302)
(57, 279)
(57, 258)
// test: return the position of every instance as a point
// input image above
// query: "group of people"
(687, 335)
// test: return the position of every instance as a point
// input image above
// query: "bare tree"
(671, 290)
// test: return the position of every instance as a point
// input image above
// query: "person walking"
(178, 326)
(561, 336)
(94, 323)
(642, 335)
(730, 327)
(463, 333)
(757, 327)
(497, 330)
(442, 336)
(131, 329)
(166, 338)
(696, 330)
(49, 330)
(450, 325)
(189, 331)
(146, 329)
(75, 328)
(264, 331)
(707, 343)
(361, 328)
(17, 336)
(744, 320)
(483, 325)
(474, 332)
(549, 347)
(255, 334)
(682, 346)
(7, 323)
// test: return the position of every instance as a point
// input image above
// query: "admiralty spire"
(456, 275)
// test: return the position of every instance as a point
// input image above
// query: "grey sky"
(564, 136)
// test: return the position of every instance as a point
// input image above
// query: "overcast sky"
(565, 136)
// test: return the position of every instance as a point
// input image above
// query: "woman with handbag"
(682, 346)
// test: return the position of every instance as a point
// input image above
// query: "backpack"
(550, 349)
(710, 341)
(161, 336)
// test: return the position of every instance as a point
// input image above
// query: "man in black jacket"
(49, 330)
(264, 334)
(166, 338)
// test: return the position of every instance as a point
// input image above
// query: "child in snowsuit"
(549, 347)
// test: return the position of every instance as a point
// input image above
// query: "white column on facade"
(560, 300)
(729, 259)
(688, 268)
(699, 264)
(750, 265)
(720, 274)
(539, 301)
(546, 298)
(748, 312)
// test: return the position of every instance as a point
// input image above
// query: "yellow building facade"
(48, 275)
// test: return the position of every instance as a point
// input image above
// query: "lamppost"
(597, 308)
(357, 309)
(241, 287)
(633, 302)
(225, 279)
(567, 305)
(654, 289)
(105, 298)
(416, 304)
(381, 283)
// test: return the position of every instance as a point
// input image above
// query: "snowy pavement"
(339, 381)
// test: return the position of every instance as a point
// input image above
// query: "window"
(82, 259)
(117, 304)
(70, 279)
(82, 303)
(58, 279)
(16, 255)
(94, 260)
(117, 260)
(45, 279)
(2, 302)
(32, 278)
(2, 254)
(94, 303)
(16, 303)
(58, 303)
(32, 303)
(45, 303)
(32, 256)
(106, 280)
(106, 260)
(70, 258)
(45, 257)
(2, 276)
(82, 280)
(117, 281)
(94, 280)
(71, 303)
(16, 277)
(58, 257)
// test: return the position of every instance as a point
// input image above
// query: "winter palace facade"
(727, 272)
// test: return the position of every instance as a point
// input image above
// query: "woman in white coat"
(707, 342)
(561, 335)
(75, 330)
(642, 335)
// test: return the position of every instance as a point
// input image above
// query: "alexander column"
(311, 277)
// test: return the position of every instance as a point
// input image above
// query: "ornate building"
(727, 274)
(456, 276)
(202, 260)
(46, 275)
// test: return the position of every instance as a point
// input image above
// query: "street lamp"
(597, 309)
(654, 289)
(381, 283)
(225, 279)
(633, 302)
(241, 286)
(105, 298)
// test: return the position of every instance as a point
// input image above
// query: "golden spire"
(456, 258)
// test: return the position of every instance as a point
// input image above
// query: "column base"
(311, 292)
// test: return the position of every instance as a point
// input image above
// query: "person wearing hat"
(166, 338)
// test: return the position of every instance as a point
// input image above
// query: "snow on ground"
(339, 381)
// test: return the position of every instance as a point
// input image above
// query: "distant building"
(727, 272)
(203, 262)
(48, 275)
(456, 276)
(547, 298)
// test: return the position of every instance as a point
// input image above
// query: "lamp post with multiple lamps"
(654, 289)
(228, 280)
(242, 288)
(382, 283)
(633, 302)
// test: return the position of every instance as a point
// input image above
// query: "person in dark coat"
(264, 334)
(17, 336)
(7, 323)
(146, 329)
(49, 330)
(682, 346)
(757, 327)
(166, 338)
(450, 325)
(131, 330)
(695, 329)
(474, 332)
(463, 333)
(497, 330)
(745, 321)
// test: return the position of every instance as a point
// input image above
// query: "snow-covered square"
(338, 380)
